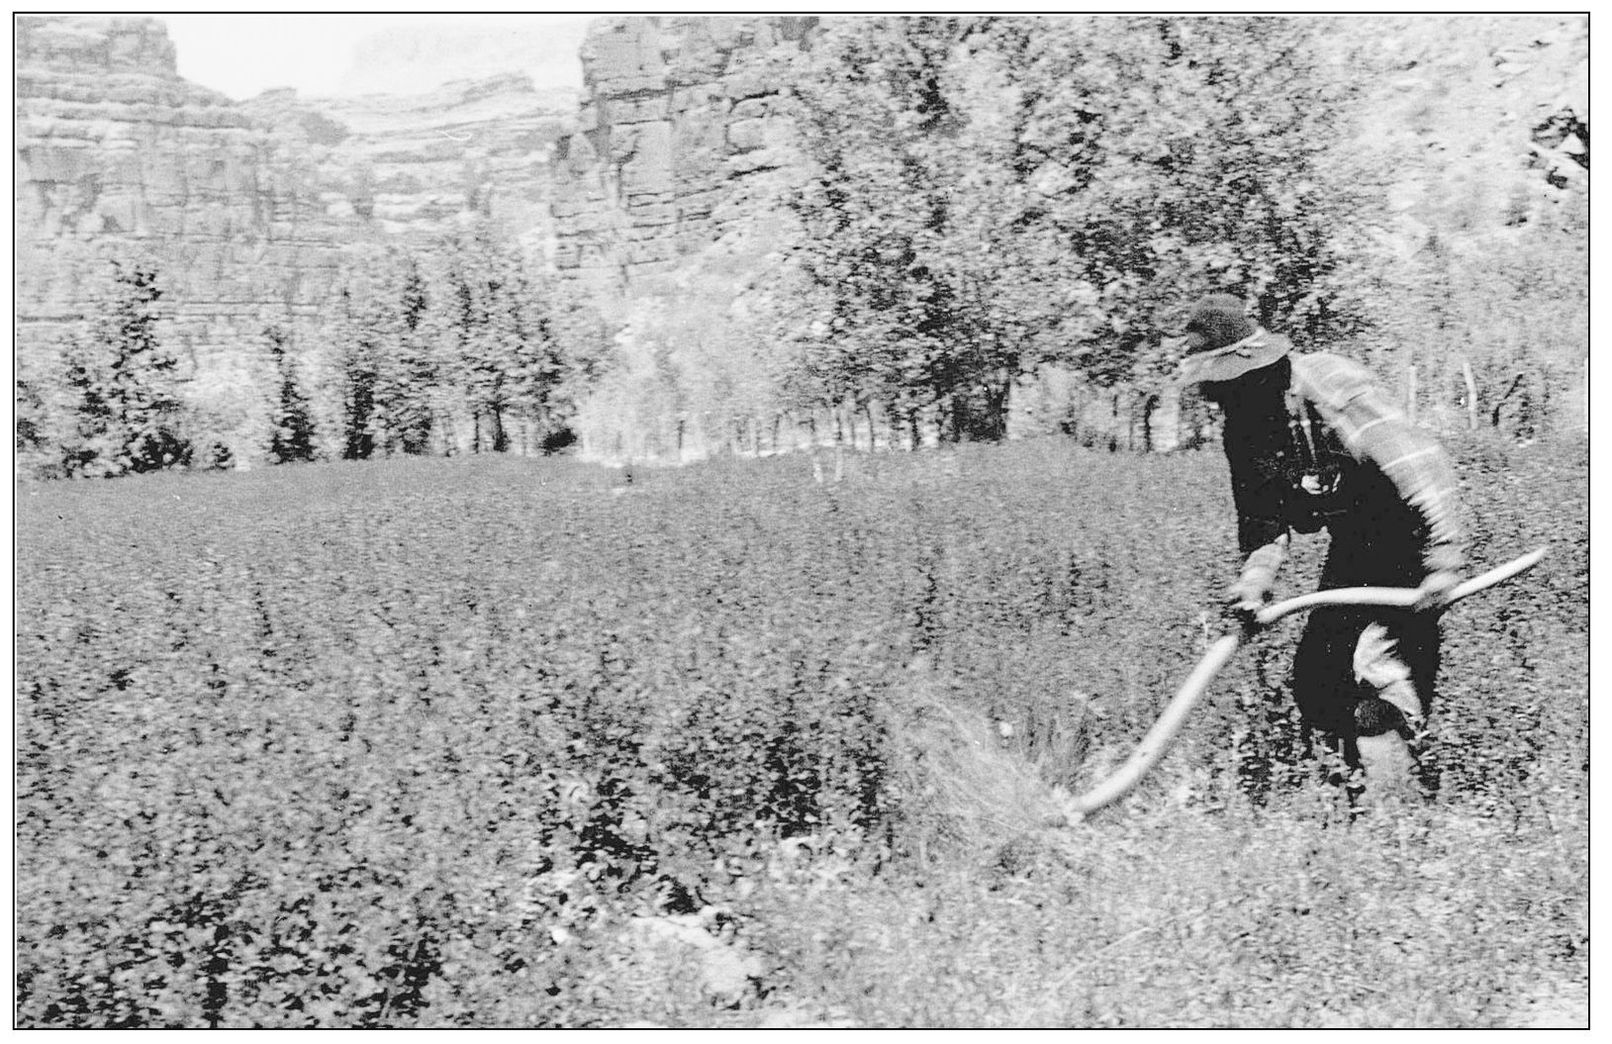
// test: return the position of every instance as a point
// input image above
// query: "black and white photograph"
(775, 521)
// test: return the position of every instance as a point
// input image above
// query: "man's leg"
(1388, 710)
(1398, 660)
(1322, 686)
(1367, 686)
(1375, 666)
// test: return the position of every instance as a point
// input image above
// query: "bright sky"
(242, 55)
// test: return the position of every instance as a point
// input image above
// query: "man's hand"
(1434, 594)
(1244, 600)
(1248, 595)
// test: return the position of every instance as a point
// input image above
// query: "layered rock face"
(247, 208)
(680, 127)
(117, 156)
(417, 165)
(1484, 121)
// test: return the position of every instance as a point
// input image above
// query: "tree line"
(466, 345)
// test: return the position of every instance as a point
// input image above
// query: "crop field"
(497, 742)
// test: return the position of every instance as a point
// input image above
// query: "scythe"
(1159, 737)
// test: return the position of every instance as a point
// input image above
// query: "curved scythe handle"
(1163, 732)
(1399, 597)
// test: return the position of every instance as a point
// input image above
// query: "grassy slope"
(411, 743)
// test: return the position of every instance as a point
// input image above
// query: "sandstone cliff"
(117, 155)
(247, 208)
(1476, 118)
(416, 165)
(679, 129)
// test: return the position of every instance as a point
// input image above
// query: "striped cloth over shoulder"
(1377, 433)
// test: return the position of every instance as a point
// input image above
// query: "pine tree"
(145, 385)
(415, 370)
(499, 338)
(125, 386)
(38, 418)
(29, 434)
(359, 373)
(292, 440)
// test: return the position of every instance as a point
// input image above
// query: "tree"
(464, 324)
(125, 386)
(874, 215)
(991, 195)
(357, 324)
(38, 454)
(493, 320)
(406, 369)
(579, 340)
(89, 447)
(1192, 158)
(476, 336)
(536, 365)
(29, 434)
(292, 439)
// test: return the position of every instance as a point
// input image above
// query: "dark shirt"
(1357, 465)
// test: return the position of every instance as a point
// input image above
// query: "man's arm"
(1377, 433)
(1262, 534)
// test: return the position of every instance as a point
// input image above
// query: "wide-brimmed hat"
(1222, 344)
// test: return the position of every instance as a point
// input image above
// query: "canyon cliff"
(117, 157)
(679, 133)
(246, 208)
(249, 206)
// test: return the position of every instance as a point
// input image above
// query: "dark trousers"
(1324, 685)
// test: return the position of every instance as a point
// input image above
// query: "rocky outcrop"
(417, 165)
(247, 208)
(680, 127)
(117, 156)
(1482, 122)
